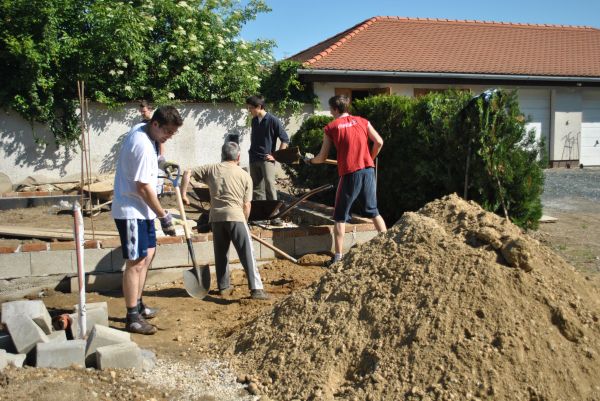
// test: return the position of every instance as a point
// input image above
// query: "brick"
(365, 227)
(62, 246)
(93, 317)
(35, 310)
(101, 336)
(9, 249)
(25, 333)
(289, 233)
(285, 244)
(16, 360)
(199, 237)
(60, 354)
(169, 240)
(111, 243)
(15, 265)
(92, 244)
(34, 247)
(6, 342)
(56, 262)
(119, 356)
(170, 256)
(97, 260)
(320, 230)
(313, 244)
(57, 336)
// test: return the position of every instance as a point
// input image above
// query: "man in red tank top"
(350, 135)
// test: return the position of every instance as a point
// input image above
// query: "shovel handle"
(186, 229)
(274, 248)
(330, 161)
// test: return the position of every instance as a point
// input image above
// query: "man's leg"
(269, 178)
(258, 180)
(339, 229)
(240, 235)
(344, 197)
(221, 242)
(379, 224)
(368, 198)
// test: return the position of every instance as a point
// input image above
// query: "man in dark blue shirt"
(266, 128)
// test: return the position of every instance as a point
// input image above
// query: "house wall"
(554, 113)
(199, 140)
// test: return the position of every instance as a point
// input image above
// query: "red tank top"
(350, 135)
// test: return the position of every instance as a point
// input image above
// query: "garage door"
(590, 129)
(535, 105)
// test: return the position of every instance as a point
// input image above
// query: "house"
(555, 68)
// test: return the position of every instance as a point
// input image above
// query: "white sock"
(338, 256)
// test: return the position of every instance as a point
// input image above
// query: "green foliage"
(428, 141)
(282, 89)
(160, 50)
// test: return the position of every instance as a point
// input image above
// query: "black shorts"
(359, 185)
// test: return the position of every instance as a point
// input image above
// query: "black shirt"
(263, 137)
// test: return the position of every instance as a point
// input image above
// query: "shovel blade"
(195, 286)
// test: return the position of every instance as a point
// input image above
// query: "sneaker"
(276, 222)
(258, 294)
(226, 292)
(331, 261)
(140, 326)
(148, 313)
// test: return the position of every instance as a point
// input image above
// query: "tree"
(161, 50)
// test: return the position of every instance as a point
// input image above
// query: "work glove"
(166, 223)
(168, 167)
(307, 157)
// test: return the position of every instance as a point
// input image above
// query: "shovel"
(196, 280)
(292, 156)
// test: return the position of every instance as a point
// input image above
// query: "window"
(361, 93)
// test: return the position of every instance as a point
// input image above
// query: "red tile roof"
(449, 46)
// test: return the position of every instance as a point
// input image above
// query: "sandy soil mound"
(451, 303)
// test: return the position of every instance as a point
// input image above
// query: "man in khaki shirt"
(230, 196)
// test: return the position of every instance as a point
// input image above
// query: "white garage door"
(590, 129)
(535, 104)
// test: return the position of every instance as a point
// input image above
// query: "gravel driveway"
(572, 190)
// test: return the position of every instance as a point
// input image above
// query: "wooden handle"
(330, 161)
(182, 212)
(274, 248)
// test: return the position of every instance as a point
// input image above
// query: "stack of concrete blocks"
(31, 339)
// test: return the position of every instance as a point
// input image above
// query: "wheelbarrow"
(268, 209)
(98, 195)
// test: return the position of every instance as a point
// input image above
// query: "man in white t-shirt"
(136, 205)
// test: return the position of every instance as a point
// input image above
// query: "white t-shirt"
(137, 163)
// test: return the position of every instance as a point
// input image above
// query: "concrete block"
(119, 356)
(148, 360)
(204, 252)
(15, 265)
(93, 305)
(285, 244)
(97, 260)
(313, 244)
(25, 333)
(36, 310)
(100, 282)
(101, 336)
(3, 359)
(93, 317)
(6, 342)
(359, 237)
(17, 360)
(60, 354)
(117, 260)
(59, 336)
(173, 255)
(55, 262)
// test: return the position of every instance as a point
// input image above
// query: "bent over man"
(136, 205)
(230, 196)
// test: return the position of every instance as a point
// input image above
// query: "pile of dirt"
(451, 303)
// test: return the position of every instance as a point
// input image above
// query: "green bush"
(430, 141)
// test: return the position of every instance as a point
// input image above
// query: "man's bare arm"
(377, 141)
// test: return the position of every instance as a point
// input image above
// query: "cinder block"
(36, 310)
(204, 252)
(102, 336)
(170, 256)
(93, 317)
(313, 244)
(6, 342)
(59, 336)
(285, 244)
(100, 282)
(93, 305)
(25, 333)
(15, 265)
(97, 260)
(3, 359)
(358, 237)
(17, 360)
(119, 356)
(55, 262)
(117, 260)
(60, 354)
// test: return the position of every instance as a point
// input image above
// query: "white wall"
(198, 141)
